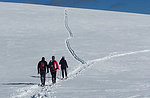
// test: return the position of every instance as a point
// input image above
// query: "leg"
(52, 73)
(55, 76)
(42, 78)
(62, 70)
(66, 72)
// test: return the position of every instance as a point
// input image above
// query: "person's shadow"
(19, 83)
(22, 83)
(39, 76)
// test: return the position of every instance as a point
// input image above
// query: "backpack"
(42, 66)
(52, 65)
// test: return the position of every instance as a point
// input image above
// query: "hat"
(53, 57)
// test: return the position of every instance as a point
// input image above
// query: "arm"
(47, 66)
(57, 65)
(38, 67)
(60, 62)
(66, 64)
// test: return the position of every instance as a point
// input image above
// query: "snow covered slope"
(134, 6)
(114, 45)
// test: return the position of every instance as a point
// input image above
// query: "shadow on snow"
(19, 83)
(39, 77)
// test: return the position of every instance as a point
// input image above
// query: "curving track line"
(67, 41)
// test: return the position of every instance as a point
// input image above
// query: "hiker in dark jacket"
(64, 66)
(42, 69)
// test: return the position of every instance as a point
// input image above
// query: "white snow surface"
(113, 45)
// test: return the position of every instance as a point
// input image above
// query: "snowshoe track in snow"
(67, 40)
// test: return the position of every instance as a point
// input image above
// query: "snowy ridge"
(67, 40)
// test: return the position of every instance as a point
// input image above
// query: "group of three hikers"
(44, 68)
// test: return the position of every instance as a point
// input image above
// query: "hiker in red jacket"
(53, 65)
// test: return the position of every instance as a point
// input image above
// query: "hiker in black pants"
(53, 65)
(42, 68)
(64, 66)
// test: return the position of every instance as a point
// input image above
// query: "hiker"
(64, 66)
(42, 68)
(53, 65)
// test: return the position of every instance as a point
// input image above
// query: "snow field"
(101, 38)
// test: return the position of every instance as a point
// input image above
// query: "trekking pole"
(57, 73)
(49, 76)
(67, 72)
(60, 73)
